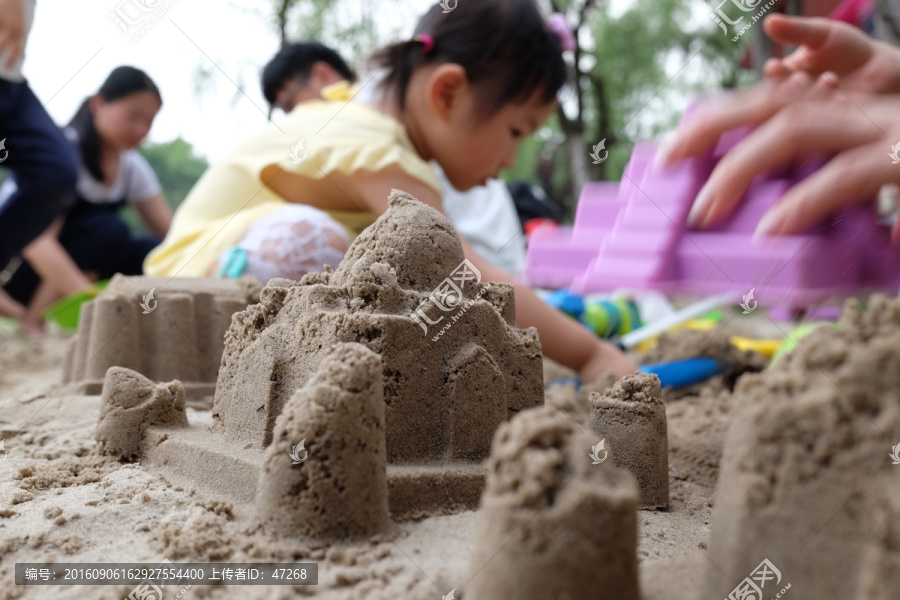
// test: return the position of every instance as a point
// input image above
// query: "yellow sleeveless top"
(337, 135)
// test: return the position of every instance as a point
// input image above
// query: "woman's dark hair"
(122, 82)
(505, 46)
(295, 61)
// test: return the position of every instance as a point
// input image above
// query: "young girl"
(90, 241)
(464, 92)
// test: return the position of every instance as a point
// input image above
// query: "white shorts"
(293, 241)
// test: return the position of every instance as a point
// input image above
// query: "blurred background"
(637, 66)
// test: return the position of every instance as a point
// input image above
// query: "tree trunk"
(577, 153)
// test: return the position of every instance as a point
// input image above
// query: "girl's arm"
(562, 339)
(156, 214)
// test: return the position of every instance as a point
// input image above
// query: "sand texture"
(387, 420)
(162, 328)
(567, 528)
(813, 432)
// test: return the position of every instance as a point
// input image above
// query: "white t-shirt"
(135, 181)
(15, 73)
(486, 216)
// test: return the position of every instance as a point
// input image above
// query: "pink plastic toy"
(634, 235)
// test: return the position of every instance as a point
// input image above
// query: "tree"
(622, 84)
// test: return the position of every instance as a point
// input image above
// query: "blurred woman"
(91, 241)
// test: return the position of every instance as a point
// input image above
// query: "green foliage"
(177, 168)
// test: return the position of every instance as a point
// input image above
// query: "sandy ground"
(61, 501)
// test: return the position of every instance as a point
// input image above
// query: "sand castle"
(631, 417)
(806, 482)
(454, 364)
(165, 329)
(553, 525)
(444, 360)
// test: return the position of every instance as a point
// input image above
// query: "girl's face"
(472, 148)
(124, 123)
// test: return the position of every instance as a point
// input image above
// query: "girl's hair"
(505, 46)
(122, 82)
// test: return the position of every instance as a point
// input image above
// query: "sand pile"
(806, 479)
(130, 404)
(336, 486)
(552, 524)
(165, 329)
(454, 364)
(631, 417)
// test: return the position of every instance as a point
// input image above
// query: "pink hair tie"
(557, 24)
(427, 42)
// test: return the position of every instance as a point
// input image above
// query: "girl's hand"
(606, 359)
(836, 53)
(12, 29)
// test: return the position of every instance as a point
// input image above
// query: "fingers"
(850, 177)
(774, 68)
(798, 31)
(823, 44)
(799, 130)
(702, 132)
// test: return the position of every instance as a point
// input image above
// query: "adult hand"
(860, 135)
(835, 53)
(12, 29)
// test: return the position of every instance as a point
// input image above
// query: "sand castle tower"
(129, 405)
(808, 495)
(333, 484)
(454, 364)
(631, 417)
(164, 329)
(553, 525)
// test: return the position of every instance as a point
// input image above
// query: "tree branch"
(582, 15)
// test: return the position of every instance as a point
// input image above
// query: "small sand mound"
(806, 478)
(553, 525)
(131, 404)
(335, 485)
